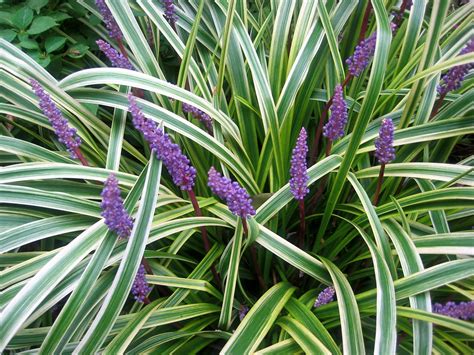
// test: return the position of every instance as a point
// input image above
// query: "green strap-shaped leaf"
(352, 336)
(129, 265)
(258, 320)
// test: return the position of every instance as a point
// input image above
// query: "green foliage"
(261, 70)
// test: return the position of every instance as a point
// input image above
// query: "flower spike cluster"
(337, 121)
(384, 150)
(177, 164)
(66, 135)
(237, 199)
(140, 287)
(116, 217)
(118, 59)
(362, 55)
(170, 12)
(326, 296)
(299, 175)
(453, 79)
(462, 310)
(199, 115)
(110, 23)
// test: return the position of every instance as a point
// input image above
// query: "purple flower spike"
(177, 164)
(110, 23)
(237, 199)
(66, 135)
(118, 59)
(170, 12)
(199, 115)
(384, 150)
(116, 217)
(362, 55)
(326, 296)
(462, 310)
(337, 121)
(453, 79)
(299, 176)
(140, 287)
(243, 311)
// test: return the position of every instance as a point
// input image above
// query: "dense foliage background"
(261, 70)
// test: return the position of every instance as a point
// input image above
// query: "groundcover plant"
(237, 176)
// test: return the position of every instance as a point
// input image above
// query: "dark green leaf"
(41, 24)
(53, 43)
(22, 18)
(37, 4)
(7, 35)
(29, 44)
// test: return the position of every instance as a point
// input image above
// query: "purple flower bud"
(170, 12)
(116, 217)
(337, 121)
(199, 115)
(243, 311)
(237, 199)
(66, 135)
(462, 310)
(454, 77)
(118, 59)
(177, 164)
(299, 176)
(384, 150)
(326, 296)
(140, 287)
(362, 55)
(110, 23)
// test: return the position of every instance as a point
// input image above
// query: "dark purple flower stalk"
(140, 287)
(299, 175)
(337, 120)
(177, 164)
(454, 77)
(237, 199)
(362, 55)
(326, 296)
(66, 135)
(462, 310)
(384, 150)
(110, 23)
(117, 59)
(170, 12)
(116, 217)
(200, 115)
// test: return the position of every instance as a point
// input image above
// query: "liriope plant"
(296, 176)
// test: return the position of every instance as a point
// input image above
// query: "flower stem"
(302, 230)
(379, 184)
(81, 157)
(437, 106)
(253, 252)
(122, 48)
(205, 239)
(365, 22)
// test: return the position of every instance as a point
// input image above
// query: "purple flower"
(116, 217)
(118, 59)
(462, 310)
(453, 79)
(140, 287)
(338, 119)
(66, 135)
(299, 176)
(110, 23)
(326, 296)
(362, 55)
(384, 150)
(237, 199)
(170, 12)
(243, 311)
(199, 115)
(177, 164)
